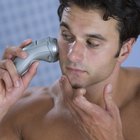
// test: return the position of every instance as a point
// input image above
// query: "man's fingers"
(66, 87)
(8, 74)
(2, 88)
(79, 92)
(12, 52)
(25, 43)
(110, 105)
(27, 77)
(72, 109)
(86, 106)
(69, 94)
(5, 80)
(107, 93)
(12, 72)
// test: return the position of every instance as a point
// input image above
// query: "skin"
(95, 99)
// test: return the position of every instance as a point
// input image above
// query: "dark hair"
(127, 12)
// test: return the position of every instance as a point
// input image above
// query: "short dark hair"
(126, 12)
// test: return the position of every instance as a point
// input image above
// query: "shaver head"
(44, 49)
(53, 49)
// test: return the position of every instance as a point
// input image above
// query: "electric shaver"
(44, 49)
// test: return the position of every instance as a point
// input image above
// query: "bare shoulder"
(131, 112)
(133, 71)
(132, 75)
(30, 109)
(36, 102)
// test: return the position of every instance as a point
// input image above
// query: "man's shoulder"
(130, 110)
(132, 70)
(133, 79)
(35, 102)
(133, 74)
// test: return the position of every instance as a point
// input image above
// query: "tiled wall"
(36, 19)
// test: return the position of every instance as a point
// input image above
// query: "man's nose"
(76, 52)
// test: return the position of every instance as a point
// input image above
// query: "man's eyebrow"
(65, 25)
(94, 35)
(97, 36)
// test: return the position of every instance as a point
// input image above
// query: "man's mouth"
(75, 70)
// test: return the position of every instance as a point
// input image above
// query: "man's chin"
(75, 82)
(77, 85)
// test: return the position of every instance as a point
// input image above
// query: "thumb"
(79, 92)
(108, 97)
(27, 77)
(66, 87)
(110, 106)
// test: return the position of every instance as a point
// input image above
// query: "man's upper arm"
(8, 131)
(9, 126)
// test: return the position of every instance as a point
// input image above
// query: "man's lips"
(75, 70)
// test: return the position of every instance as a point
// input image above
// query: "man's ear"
(126, 49)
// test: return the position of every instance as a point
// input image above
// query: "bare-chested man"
(96, 98)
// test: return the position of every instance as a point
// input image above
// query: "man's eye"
(68, 37)
(92, 45)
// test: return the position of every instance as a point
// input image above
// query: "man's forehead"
(87, 19)
(92, 15)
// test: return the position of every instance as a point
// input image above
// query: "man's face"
(87, 46)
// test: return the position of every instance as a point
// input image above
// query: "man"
(96, 98)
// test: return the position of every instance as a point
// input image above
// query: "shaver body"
(44, 49)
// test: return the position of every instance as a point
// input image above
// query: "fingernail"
(62, 79)
(82, 91)
(109, 88)
(24, 54)
(27, 40)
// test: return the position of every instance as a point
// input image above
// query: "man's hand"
(12, 85)
(95, 123)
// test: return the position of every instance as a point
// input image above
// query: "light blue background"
(36, 19)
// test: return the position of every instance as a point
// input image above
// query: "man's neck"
(95, 92)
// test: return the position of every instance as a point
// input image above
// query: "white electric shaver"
(44, 49)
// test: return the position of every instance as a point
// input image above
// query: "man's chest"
(62, 127)
(130, 117)
(54, 129)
